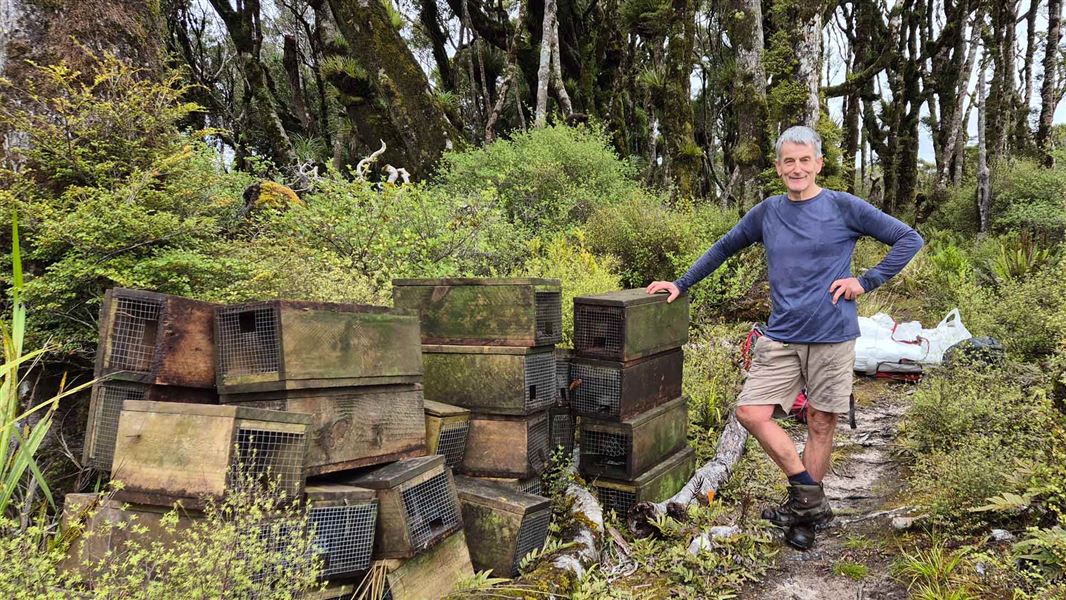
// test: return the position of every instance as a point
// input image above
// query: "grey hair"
(800, 134)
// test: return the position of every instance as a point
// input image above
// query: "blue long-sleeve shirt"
(808, 245)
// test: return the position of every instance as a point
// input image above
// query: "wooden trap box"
(351, 427)
(417, 505)
(659, 483)
(447, 427)
(507, 446)
(166, 452)
(99, 525)
(502, 525)
(430, 575)
(626, 450)
(156, 338)
(281, 345)
(491, 379)
(628, 325)
(613, 390)
(484, 312)
(532, 485)
(105, 404)
(344, 518)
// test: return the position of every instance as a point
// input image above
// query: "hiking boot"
(806, 504)
(800, 537)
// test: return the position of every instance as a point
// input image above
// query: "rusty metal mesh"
(248, 340)
(133, 333)
(539, 444)
(605, 449)
(549, 308)
(540, 381)
(344, 536)
(598, 330)
(562, 431)
(452, 442)
(531, 535)
(264, 455)
(109, 398)
(600, 391)
(617, 500)
(431, 510)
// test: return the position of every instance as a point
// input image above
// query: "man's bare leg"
(758, 420)
(819, 448)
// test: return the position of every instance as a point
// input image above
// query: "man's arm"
(905, 242)
(743, 234)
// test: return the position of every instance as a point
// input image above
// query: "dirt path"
(862, 489)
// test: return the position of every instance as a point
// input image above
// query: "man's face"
(798, 167)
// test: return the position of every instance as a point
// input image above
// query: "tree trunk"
(544, 72)
(984, 186)
(398, 83)
(510, 75)
(683, 156)
(557, 71)
(749, 100)
(1022, 128)
(809, 57)
(1049, 85)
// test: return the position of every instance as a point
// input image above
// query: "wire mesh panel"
(531, 486)
(264, 454)
(248, 340)
(133, 334)
(109, 398)
(539, 444)
(562, 431)
(562, 376)
(540, 381)
(619, 501)
(605, 449)
(549, 307)
(452, 442)
(531, 535)
(344, 536)
(430, 509)
(600, 391)
(598, 330)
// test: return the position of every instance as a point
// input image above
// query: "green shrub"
(712, 380)
(566, 257)
(1027, 196)
(542, 179)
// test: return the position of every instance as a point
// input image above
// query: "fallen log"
(700, 488)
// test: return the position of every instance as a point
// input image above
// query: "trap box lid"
(390, 476)
(512, 350)
(456, 281)
(497, 496)
(338, 493)
(217, 410)
(442, 410)
(626, 298)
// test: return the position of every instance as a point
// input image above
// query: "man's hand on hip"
(658, 286)
(849, 287)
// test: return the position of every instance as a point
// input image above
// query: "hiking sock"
(802, 478)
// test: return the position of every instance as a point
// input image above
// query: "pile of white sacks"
(886, 346)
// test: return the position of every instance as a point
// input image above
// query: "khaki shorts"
(779, 371)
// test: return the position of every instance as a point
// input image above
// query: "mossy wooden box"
(283, 345)
(613, 390)
(484, 312)
(344, 518)
(492, 379)
(447, 427)
(507, 446)
(105, 404)
(502, 525)
(417, 505)
(626, 450)
(351, 427)
(166, 452)
(628, 325)
(659, 483)
(101, 525)
(156, 338)
(431, 575)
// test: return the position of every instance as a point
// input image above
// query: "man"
(808, 235)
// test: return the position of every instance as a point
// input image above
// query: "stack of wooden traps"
(489, 349)
(625, 386)
(194, 394)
